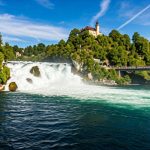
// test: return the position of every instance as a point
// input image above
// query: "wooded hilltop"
(94, 54)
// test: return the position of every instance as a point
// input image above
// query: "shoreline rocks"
(101, 82)
(2, 87)
(90, 77)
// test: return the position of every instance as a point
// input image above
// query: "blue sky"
(28, 22)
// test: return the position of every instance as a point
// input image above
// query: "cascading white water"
(52, 76)
(57, 79)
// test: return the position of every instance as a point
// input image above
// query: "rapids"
(57, 80)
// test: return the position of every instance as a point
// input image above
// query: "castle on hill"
(93, 31)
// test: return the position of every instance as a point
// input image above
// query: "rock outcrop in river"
(35, 71)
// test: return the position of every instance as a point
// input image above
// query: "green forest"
(114, 50)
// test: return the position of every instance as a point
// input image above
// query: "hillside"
(94, 54)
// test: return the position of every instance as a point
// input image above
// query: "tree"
(126, 42)
(8, 52)
(74, 39)
(115, 35)
(135, 37)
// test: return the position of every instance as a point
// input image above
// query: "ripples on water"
(36, 122)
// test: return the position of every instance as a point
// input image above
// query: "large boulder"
(29, 80)
(90, 76)
(77, 66)
(13, 87)
(35, 71)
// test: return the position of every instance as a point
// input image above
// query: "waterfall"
(52, 76)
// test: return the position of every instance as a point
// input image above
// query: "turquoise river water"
(68, 115)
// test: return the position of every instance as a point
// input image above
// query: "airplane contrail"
(104, 5)
(133, 18)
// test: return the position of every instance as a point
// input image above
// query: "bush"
(4, 75)
(3, 78)
(6, 71)
(123, 80)
(144, 74)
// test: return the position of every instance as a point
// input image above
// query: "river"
(58, 111)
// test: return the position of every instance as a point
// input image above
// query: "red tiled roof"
(89, 28)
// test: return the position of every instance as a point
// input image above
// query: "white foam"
(57, 79)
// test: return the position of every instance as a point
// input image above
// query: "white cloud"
(23, 28)
(126, 10)
(124, 5)
(46, 3)
(103, 9)
(145, 19)
(12, 39)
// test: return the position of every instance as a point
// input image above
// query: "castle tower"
(97, 27)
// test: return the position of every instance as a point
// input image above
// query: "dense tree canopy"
(116, 49)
